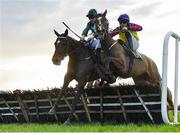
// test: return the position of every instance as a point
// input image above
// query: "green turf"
(91, 127)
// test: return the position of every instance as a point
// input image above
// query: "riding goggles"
(91, 16)
(123, 21)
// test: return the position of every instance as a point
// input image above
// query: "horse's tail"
(156, 80)
(169, 99)
(153, 72)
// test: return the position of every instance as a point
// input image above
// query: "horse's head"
(61, 47)
(102, 25)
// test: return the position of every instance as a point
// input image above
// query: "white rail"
(164, 78)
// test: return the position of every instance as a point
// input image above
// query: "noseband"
(101, 28)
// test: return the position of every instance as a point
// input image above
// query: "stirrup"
(138, 55)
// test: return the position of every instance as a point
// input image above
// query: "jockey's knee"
(98, 45)
(127, 34)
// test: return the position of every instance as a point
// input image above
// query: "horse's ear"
(57, 34)
(105, 12)
(66, 32)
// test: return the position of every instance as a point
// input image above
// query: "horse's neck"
(78, 50)
(107, 42)
(73, 43)
(107, 46)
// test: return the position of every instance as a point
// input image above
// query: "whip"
(71, 30)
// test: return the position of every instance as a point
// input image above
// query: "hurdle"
(164, 78)
(121, 104)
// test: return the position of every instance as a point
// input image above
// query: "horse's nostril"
(56, 60)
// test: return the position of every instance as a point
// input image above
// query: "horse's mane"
(74, 41)
(80, 45)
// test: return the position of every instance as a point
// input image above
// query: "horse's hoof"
(101, 83)
(52, 111)
(112, 79)
(67, 122)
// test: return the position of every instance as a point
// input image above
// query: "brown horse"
(80, 66)
(142, 71)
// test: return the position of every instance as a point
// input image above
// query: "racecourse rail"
(164, 78)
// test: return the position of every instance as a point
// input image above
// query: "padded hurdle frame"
(121, 104)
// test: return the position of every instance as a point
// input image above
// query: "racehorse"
(80, 66)
(123, 64)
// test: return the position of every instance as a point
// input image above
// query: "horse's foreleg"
(67, 79)
(74, 102)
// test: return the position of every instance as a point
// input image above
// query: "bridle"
(104, 29)
(101, 29)
(68, 47)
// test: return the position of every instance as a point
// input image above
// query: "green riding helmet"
(92, 12)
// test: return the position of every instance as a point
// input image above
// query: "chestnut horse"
(142, 71)
(80, 66)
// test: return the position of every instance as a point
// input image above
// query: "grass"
(91, 127)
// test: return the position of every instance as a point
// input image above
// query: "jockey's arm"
(89, 37)
(134, 27)
(114, 32)
(85, 31)
(82, 38)
(84, 35)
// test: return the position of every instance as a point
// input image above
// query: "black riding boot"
(97, 64)
(129, 38)
(130, 44)
(98, 56)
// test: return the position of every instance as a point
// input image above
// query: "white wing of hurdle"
(164, 78)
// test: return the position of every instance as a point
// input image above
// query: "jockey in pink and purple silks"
(127, 33)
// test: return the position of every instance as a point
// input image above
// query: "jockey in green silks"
(93, 41)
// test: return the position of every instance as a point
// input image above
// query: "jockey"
(128, 33)
(92, 39)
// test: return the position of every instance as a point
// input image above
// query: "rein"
(112, 46)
